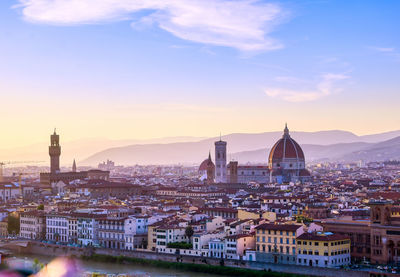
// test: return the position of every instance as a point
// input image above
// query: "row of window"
(274, 232)
(279, 249)
(316, 262)
(275, 240)
(333, 253)
(325, 243)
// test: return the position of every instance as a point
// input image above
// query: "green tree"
(13, 223)
(40, 207)
(189, 232)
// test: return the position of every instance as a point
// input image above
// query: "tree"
(40, 207)
(13, 223)
(189, 232)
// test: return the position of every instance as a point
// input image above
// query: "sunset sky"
(127, 69)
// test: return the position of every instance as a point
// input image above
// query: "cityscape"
(199, 138)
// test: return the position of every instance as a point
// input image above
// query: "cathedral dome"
(206, 164)
(285, 148)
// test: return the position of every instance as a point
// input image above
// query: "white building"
(33, 225)
(9, 191)
(201, 241)
(169, 234)
(111, 232)
(87, 229)
(237, 245)
(216, 248)
(57, 228)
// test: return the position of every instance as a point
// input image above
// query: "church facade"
(286, 163)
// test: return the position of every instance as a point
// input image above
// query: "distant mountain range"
(333, 145)
(78, 149)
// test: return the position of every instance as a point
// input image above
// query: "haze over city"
(250, 138)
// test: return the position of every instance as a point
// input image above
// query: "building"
(87, 229)
(323, 250)
(236, 245)
(251, 173)
(377, 239)
(225, 213)
(73, 229)
(55, 175)
(233, 172)
(33, 225)
(207, 170)
(57, 227)
(286, 161)
(54, 152)
(276, 243)
(216, 248)
(220, 162)
(107, 166)
(201, 241)
(4, 228)
(169, 233)
(111, 233)
(9, 191)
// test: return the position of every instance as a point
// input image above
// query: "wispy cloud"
(324, 87)
(389, 51)
(242, 24)
(383, 49)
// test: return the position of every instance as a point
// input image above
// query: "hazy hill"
(78, 149)
(386, 150)
(312, 152)
(337, 145)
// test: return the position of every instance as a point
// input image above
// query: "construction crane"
(2, 164)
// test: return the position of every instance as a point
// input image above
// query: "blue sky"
(142, 69)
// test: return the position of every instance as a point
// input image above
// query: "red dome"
(285, 148)
(206, 163)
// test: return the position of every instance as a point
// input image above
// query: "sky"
(136, 69)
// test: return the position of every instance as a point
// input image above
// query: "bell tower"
(54, 152)
(220, 161)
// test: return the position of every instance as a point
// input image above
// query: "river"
(26, 261)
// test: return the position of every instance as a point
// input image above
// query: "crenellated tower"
(54, 152)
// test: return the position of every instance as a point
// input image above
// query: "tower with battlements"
(54, 152)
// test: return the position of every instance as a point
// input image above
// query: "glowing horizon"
(152, 69)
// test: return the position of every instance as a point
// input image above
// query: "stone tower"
(233, 172)
(220, 161)
(54, 152)
(74, 166)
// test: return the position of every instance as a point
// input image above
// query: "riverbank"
(199, 268)
(148, 257)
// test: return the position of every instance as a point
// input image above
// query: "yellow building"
(276, 243)
(243, 214)
(4, 228)
(152, 237)
(323, 249)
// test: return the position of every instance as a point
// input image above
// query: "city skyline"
(155, 69)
